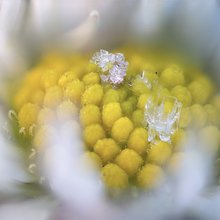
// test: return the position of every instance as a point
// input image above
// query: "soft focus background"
(29, 27)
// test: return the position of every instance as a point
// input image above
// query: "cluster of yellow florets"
(69, 89)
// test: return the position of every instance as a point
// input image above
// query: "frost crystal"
(145, 80)
(162, 117)
(113, 66)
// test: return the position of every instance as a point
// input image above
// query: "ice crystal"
(144, 79)
(113, 66)
(162, 117)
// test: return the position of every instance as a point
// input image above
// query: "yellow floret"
(107, 149)
(138, 140)
(138, 118)
(213, 115)
(199, 115)
(110, 113)
(175, 162)
(92, 95)
(142, 101)
(139, 87)
(66, 111)
(159, 152)
(127, 108)
(27, 115)
(114, 177)
(179, 139)
(111, 95)
(91, 78)
(67, 78)
(210, 138)
(21, 98)
(216, 101)
(172, 76)
(199, 94)
(43, 137)
(123, 93)
(70, 129)
(74, 90)
(121, 129)
(182, 94)
(90, 114)
(37, 97)
(92, 159)
(33, 78)
(49, 79)
(92, 134)
(46, 116)
(53, 97)
(185, 117)
(150, 176)
(129, 160)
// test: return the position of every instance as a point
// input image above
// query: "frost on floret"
(113, 66)
(162, 117)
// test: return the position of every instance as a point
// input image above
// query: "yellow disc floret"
(129, 160)
(74, 90)
(91, 78)
(159, 152)
(107, 149)
(142, 101)
(90, 114)
(172, 76)
(49, 79)
(111, 95)
(53, 97)
(150, 176)
(121, 129)
(93, 133)
(67, 78)
(114, 177)
(138, 118)
(138, 140)
(92, 159)
(27, 115)
(92, 95)
(182, 94)
(67, 110)
(110, 113)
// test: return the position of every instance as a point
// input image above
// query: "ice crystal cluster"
(133, 133)
(113, 66)
(160, 122)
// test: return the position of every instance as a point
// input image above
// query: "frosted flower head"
(113, 66)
